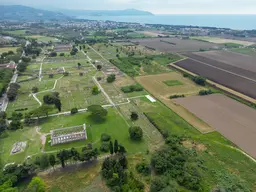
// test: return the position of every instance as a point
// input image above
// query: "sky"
(154, 6)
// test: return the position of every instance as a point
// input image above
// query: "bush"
(34, 89)
(205, 92)
(51, 75)
(99, 78)
(176, 96)
(105, 137)
(136, 133)
(111, 78)
(62, 54)
(143, 168)
(74, 111)
(53, 54)
(95, 90)
(199, 80)
(104, 147)
(132, 88)
(66, 73)
(134, 116)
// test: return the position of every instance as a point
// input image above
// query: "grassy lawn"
(246, 51)
(214, 151)
(44, 39)
(114, 125)
(77, 178)
(17, 32)
(6, 49)
(172, 82)
(27, 134)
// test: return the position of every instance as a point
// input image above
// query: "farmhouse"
(70, 134)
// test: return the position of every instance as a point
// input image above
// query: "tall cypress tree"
(111, 149)
(116, 146)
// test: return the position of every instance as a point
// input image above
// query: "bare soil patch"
(232, 119)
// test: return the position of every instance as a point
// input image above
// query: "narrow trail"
(40, 70)
(54, 86)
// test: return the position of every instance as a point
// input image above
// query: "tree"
(44, 161)
(134, 116)
(53, 54)
(57, 104)
(111, 78)
(63, 156)
(34, 89)
(111, 148)
(136, 133)
(116, 147)
(36, 185)
(3, 125)
(78, 65)
(98, 113)
(80, 47)
(81, 73)
(66, 73)
(74, 111)
(51, 76)
(122, 150)
(99, 67)
(52, 160)
(62, 54)
(95, 90)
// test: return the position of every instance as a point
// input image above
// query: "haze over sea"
(241, 22)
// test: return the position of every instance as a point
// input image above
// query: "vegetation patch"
(172, 82)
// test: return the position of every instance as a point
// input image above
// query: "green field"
(44, 39)
(17, 32)
(246, 51)
(222, 163)
(6, 49)
(114, 125)
(172, 82)
(154, 64)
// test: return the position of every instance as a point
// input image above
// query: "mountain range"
(25, 13)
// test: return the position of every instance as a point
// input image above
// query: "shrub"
(62, 54)
(74, 111)
(51, 75)
(134, 116)
(104, 147)
(205, 92)
(111, 78)
(132, 88)
(176, 96)
(53, 54)
(135, 133)
(99, 78)
(199, 80)
(143, 168)
(66, 73)
(105, 137)
(34, 89)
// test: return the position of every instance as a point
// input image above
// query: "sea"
(238, 22)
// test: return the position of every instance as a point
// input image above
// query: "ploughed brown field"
(235, 75)
(175, 44)
(232, 119)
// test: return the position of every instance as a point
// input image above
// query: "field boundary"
(218, 86)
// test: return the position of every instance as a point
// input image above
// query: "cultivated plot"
(234, 59)
(156, 86)
(232, 119)
(222, 40)
(238, 79)
(175, 44)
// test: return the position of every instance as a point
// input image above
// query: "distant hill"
(20, 13)
(126, 12)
